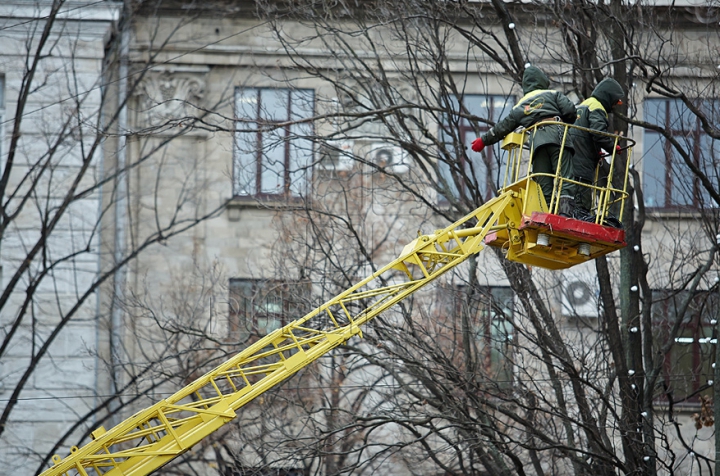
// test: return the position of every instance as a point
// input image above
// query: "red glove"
(478, 145)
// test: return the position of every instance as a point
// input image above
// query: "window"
(688, 365)
(667, 180)
(486, 170)
(273, 155)
(490, 312)
(258, 307)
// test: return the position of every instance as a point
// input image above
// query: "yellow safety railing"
(605, 195)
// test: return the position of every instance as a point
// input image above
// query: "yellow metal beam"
(154, 436)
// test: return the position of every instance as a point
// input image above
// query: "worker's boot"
(611, 220)
(582, 213)
(566, 206)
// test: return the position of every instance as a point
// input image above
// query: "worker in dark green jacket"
(540, 104)
(593, 114)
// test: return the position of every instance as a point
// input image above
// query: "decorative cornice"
(166, 96)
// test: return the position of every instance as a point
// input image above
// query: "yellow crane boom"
(154, 436)
(517, 221)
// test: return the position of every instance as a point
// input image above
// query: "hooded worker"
(592, 113)
(540, 104)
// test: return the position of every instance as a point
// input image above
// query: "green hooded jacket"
(593, 114)
(537, 104)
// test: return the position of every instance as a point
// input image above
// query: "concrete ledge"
(236, 204)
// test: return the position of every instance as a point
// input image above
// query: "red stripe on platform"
(589, 232)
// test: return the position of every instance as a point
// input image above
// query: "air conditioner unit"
(580, 296)
(391, 157)
(336, 155)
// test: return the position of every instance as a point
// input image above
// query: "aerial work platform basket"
(539, 236)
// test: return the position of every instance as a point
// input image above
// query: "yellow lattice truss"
(156, 435)
(514, 221)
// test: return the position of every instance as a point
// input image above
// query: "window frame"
(672, 182)
(483, 319)
(286, 137)
(265, 291)
(698, 323)
(491, 157)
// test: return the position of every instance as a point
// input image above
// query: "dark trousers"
(584, 167)
(583, 196)
(545, 160)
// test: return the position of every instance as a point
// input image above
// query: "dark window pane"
(688, 364)
(654, 171)
(493, 317)
(489, 312)
(680, 378)
(501, 334)
(258, 307)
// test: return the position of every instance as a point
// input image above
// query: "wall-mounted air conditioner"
(580, 295)
(390, 157)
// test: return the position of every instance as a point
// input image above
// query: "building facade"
(307, 145)
(52, 60)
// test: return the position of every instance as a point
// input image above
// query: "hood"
(608, 92)
(534, 78)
